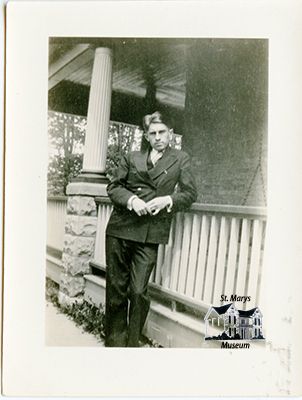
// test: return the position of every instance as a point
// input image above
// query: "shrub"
(85, 314)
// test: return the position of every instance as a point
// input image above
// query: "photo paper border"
(30, 367)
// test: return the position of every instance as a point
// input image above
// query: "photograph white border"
(33, 369)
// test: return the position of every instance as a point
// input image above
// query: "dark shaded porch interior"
(214, 91)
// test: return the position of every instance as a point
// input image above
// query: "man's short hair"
(156, 117)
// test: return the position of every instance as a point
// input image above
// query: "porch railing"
(212, 250)
(56, 217)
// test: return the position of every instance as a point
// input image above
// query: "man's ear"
(146, 136)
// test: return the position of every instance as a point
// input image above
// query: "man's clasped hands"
(151, 207)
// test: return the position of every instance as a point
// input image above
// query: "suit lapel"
(141, 166)
(168, 159)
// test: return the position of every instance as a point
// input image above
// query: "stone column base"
(79, 240)
(87, 189)
(90, 177)
(66, 301)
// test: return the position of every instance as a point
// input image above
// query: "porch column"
(81, 220)
(96, 139)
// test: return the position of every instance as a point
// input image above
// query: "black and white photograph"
(152, 216)
(157, 181)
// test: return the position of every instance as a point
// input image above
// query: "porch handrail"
(213, 208)
(57, 198)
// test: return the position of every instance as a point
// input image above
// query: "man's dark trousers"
(129, 266)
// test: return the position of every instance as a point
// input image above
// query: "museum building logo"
(227, 323)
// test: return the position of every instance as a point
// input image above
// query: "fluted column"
(95, 150)
(80, 227)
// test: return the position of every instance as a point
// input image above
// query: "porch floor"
(62, 331)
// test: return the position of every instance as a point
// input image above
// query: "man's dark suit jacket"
(134, 178)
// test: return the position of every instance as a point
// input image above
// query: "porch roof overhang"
(135, 66)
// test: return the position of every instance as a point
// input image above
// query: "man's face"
(158, 136)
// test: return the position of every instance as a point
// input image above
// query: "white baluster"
(201, 261)
(185, 249)
(243, 257)
(255, 262)
(221, 260)
(210, 270)
(232, 258)
(192, 259)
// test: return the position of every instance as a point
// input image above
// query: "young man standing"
(144, 197)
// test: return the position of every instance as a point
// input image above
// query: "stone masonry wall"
(79, 242)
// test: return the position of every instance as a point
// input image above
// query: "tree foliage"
(122, 138)
(66, 140)
(66, 146)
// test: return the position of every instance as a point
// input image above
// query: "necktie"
(155, 156)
